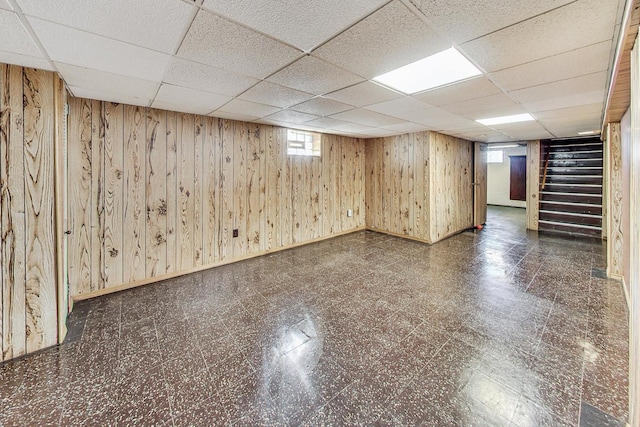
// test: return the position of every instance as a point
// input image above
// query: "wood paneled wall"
(156, 193)
(613, 201)
(533, 184)
(634, 242)
(451, 177)
(419, 185)
(28, 298)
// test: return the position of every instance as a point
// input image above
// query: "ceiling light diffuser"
(588, 132)
(506, 119)
(496, 147)
(433, 71)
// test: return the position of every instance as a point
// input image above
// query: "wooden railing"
(546, 166)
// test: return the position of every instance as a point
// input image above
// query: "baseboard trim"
(125, 286)
(627, 297)
(404, 236)
(417, 239)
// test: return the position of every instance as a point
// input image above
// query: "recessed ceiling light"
(588, 132)
(506, 119)
(436, 70)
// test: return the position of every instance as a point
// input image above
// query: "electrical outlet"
(235, 232)
(349, 213)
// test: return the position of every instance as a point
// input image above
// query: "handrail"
(546, 166)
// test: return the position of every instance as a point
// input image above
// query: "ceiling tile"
(479, 108)
(512, 128)
(408, 127)
(248, 109)
(435, 118)
(566, 101)
(89, 93)
(391, 37)
(529, 136)
(577, 85)
(364, 93)
(572, 128)
(575, 25)
(108, 84)
(15, 39)
(154, 24)
(484, 136)
(458, 92)
(291, 21)
(322, 107)
(586, 60)
(562, 114)
(276, 95)
(366, 117)
(170, 106)
(378, 133)
(292, 116)
(233, 116)
(83, 49)
(4, 5)
(25, 61)
(315, 76)
(190, 100)
(468, 19)
(204, 77)
(327, 123)
(397, 107)
(355, 128)
(223, 44)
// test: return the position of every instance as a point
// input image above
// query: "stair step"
(575, 147)
(571, 218)
(547, 196)
(576, 155)
(569, 228)
(576, 208)
(594, 171)
(574, 179)
(551, 187)
(573, 163)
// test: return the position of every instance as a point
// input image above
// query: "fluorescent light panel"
(433, 71)
(496, 147)
(506, 119)
(588, 132)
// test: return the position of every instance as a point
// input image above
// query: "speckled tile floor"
(498, 327)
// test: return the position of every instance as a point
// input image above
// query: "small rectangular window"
(300, 143)
(495, 156)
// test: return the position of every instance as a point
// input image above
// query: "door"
(518, 178)
(480, 184)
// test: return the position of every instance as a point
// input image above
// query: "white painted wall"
(498, 180)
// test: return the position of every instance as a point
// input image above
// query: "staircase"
(571, 200)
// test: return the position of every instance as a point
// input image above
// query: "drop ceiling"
(309, 65)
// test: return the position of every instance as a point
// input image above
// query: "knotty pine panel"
(156, 193)
(533, 184)
(134, 196)
(173, 186)
(41, 291)
(419, 185)
(28, 274)
(113, 192)
(451, 176)
(97, 186)
(614, 202)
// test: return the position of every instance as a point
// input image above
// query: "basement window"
(300, 143)
(495, 156)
